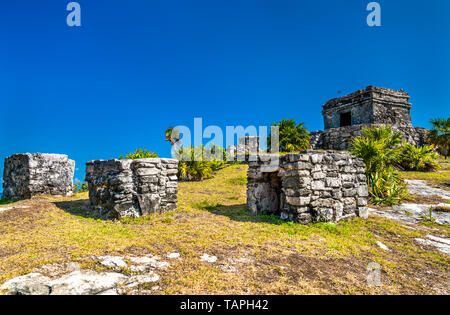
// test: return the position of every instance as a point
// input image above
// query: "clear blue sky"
(136, 67)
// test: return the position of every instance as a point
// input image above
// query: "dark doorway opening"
(273, 200)
(346, 119)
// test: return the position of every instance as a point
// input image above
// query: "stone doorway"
(346, 119)
(273, 201)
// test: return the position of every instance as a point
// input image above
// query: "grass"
(270, 256)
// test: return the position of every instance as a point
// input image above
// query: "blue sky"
(136, 67)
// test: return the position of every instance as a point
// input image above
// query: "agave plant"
(380, 150)
(140, 153)
(414, 158)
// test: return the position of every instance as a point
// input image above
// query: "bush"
(440, 135)
(380, 149)
(79, 187)
(198, 163)
(140, 153)
(293, 137)
(414, 158)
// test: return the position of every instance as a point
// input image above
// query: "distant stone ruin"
(27, 175)
(310, 186)
(247, 146)
(132, 188)
(345, 117)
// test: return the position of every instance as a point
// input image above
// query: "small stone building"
(345, 117)
(310, 186)
(27, 175)
(132, 188)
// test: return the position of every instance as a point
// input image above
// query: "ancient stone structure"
(27, 175)
(341, 138)
(132, 188)
(247, 145)
(345, 117)
(309, 186)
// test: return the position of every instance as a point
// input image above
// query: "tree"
(440, 135)
(292, 136)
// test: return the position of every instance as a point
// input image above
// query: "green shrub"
(79, 187)
(380, 149)
(414, 158)
(140, 153)
(293, 137)
(199, 163)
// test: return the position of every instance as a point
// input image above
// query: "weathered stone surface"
(30, 284)
(27, 175)
(334, 192)
(132, 188)
(345, 117)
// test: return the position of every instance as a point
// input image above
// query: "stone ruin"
(247, 146)
(132, 188)
(27, 175)
(345, 117)
(307, 187)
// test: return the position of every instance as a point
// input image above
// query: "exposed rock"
(440, 244)
(113, 261)
(132, 188)
(27, 175)
(382, 246)
(30, 284)
(87, 282)
(420, 187)
(173, 255)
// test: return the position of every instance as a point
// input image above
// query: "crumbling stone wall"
(310, 186)
(370, 106)
(341, 138)
(132, 188)
(27, 175)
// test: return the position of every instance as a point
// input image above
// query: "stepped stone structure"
(346, 116)
(27, 175)
(310, 186)
(132, 188)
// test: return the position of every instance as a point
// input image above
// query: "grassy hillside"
(256, 255)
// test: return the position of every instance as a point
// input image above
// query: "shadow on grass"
(239, 213)
(78, 208)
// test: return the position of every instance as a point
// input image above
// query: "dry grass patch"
(256, 254)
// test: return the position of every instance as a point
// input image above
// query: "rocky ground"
(212, 245)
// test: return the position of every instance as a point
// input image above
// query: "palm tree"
(173, 136)
(293, 136)
(440, 135)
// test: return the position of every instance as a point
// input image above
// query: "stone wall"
(27, 175)
(370, 106)
(247, 145)
(132, 188)
(341, 138)
(310, 186)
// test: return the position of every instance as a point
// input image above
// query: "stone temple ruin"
(27, 175)
(345, 117)
(309, 186)
(132, 188)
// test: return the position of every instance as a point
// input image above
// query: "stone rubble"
(89, 282)
(27, 175)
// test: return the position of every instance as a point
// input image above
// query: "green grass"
(271, 256)
(439, 178)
